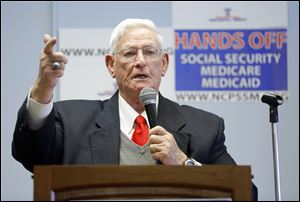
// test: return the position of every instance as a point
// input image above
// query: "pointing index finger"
(49, 44)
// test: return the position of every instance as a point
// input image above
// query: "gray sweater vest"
(133, 154)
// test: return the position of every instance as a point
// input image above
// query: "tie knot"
(140, 119)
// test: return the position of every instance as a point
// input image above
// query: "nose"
(140, 58)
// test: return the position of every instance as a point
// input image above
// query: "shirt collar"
(128, 114)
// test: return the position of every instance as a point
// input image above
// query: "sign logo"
(227, 17)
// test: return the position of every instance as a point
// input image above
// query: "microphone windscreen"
(272, 99)
(148, 96)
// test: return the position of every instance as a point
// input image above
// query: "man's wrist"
(42, 96)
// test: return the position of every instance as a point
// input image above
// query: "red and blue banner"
(231, 60)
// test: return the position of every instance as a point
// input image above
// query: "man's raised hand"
(47, 77)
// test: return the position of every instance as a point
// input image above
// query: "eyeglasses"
(130, 54)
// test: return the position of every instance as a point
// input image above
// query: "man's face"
(145, 70)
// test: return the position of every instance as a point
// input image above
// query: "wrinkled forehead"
(138, 37)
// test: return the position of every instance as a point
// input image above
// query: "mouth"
(140, 76)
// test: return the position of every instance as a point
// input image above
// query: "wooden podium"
(142, 182)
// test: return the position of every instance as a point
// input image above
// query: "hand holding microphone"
(162, 144)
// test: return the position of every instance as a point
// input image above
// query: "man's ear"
(109, 62)
(165, 61)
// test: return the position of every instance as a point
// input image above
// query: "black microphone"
(272, 99)
(148, 98)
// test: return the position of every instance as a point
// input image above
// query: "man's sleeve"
(37, 112)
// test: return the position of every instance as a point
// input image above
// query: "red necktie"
(140, 134)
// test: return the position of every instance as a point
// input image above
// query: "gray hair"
(129, 24)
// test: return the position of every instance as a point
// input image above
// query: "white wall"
(247, 128)
(22, 27)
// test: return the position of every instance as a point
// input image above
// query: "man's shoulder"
(80, 104)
